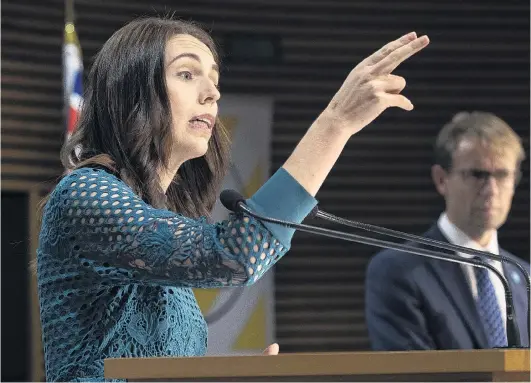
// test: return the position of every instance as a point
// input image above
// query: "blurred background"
(297, 53)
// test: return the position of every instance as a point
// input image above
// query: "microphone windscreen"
(230, 199)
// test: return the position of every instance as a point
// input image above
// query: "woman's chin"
(200, 148)
(192, 147)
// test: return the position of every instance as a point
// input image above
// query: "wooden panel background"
(478, 60)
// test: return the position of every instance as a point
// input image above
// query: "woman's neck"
(167, 175)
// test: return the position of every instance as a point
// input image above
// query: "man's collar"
(458, 237)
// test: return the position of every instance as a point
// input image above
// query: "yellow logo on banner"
(206, 298)
(253, 335)
(241, 319)
(229, 122)
(256, 180)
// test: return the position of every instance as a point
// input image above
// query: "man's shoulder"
(398, 261)
(514, 258)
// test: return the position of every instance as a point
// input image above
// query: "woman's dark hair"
(125, 123)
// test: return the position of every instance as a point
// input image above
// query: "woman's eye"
(185, 75)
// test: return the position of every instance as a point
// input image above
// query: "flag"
(72, 77)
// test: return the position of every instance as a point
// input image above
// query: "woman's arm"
(93, 220)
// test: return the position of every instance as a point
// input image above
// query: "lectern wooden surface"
(468, 365)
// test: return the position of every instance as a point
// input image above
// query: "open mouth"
(204, 121)
(200, 124)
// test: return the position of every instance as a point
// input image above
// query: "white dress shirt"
(457, 237)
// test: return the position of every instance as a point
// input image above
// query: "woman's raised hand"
(370, 88)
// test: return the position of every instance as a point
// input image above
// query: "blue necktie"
(489, 309)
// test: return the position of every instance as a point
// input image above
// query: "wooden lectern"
(470, 365)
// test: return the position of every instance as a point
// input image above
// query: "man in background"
(419, 303)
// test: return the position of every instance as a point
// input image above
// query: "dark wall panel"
(15, 288)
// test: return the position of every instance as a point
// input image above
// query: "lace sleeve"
(100, 224)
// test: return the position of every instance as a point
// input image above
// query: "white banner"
(241, 319)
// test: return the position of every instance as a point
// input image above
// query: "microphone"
(430, 242)
(231, 199)
(234, 201)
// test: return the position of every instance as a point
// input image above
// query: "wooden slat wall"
(31, 93)
(478, 60)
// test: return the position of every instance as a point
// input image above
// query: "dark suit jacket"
(418, 303)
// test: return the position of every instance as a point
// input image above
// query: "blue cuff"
(282, 197)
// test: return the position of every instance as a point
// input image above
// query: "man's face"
(479, 187)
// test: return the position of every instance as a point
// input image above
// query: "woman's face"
(192, 77)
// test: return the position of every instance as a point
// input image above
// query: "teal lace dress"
(115, 275)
